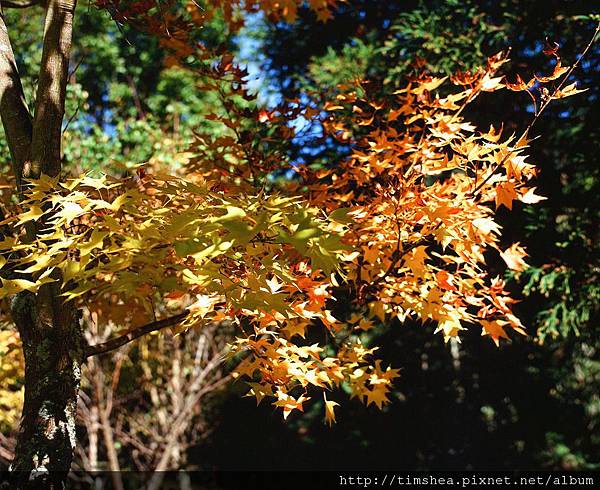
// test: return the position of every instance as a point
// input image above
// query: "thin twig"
(72, 117)
(538, 113)
(81, 60)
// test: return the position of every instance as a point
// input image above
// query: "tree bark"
(53, 346)
(50, 329)
(16, 119)
(51, 90)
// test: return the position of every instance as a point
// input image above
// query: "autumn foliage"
(404, 226)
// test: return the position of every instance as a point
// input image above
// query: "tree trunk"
(53, 346)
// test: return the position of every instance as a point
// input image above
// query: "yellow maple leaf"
(296, 328)
(365, 324)
(495, 329)
(371, 254)
(70, 211)
(203, 305)
(34, 213)
(259, 391)
(274, 285)
(513, 256)
(329, 410)
(530, 197)
(415, 260)
(377, 395)
(449, 328)
(505, 194)
(289, 403)
(568, 91)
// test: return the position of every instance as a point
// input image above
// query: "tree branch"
(14, 112)
(110, 345)
(537, 115)
(51, 90)
(16, 4)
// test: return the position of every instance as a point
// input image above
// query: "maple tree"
(458, 385)
(403, 225)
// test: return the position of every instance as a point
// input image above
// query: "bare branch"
(179, 426)
(6, 454)
(110, 345)
(7, 448)
(107, 430)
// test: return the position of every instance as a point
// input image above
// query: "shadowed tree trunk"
(49, 327)
(53, 349)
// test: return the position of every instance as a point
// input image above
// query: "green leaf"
(340, 215)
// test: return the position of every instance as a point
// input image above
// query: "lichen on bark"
(53, 346)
